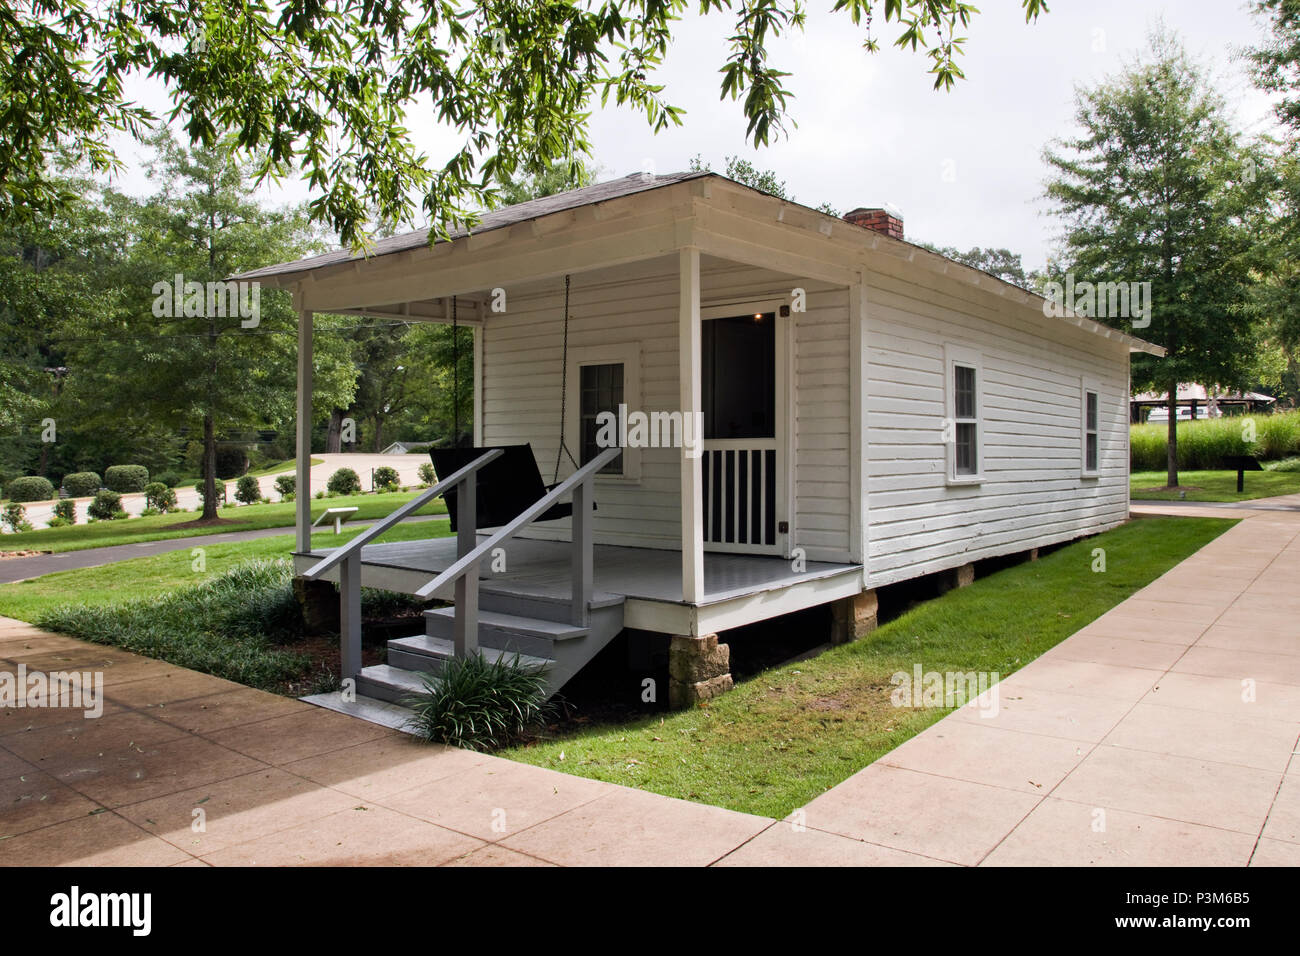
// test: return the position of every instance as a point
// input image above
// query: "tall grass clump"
(479, 704)
(228, 626)
(1203, 444)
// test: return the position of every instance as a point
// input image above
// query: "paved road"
(20, 569)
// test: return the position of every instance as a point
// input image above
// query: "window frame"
(954, 356)
(627, 354)
(1088, 387)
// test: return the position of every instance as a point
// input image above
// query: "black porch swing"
(510, 483)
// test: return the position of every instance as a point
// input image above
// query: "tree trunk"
(209, 469)
(379, 433)
(1172, 441)
(334, 435)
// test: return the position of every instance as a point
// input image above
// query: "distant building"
(1199, 402)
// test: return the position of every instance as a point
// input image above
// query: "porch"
(739, 589)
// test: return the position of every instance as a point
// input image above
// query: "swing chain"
(564, 388)
(455, 375)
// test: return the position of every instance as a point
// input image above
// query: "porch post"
(689, 373)
(302, 486)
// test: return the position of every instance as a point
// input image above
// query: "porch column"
(689, 373)
(303, 481)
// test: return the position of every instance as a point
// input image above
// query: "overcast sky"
(964, 166)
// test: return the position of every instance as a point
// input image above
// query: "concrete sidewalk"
(1162, 734)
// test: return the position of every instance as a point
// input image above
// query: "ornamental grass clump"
(480, 704)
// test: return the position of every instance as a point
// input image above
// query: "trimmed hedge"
(33, 488)
(247, 490)
(159, 497)
(82, 484)
(106, 506)
(344, 482)
(386, 479)
(126, 479)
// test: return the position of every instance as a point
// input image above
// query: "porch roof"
(496, 219)
(842, 246)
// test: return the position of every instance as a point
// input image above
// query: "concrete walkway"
(1164, 733)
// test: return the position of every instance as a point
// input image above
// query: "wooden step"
(438, 623)
(423, 653)
(390, 683)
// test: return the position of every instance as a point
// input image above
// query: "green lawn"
(101, 534)
(1213, 485)
(163, 573)
(790, 733)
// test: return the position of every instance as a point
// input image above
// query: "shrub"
(66, 509)
(126, 478)
(106, 506)
(1203, 443)
(149, 512)
(14, 518)
(227, 625)
(55, 521)
(220, 487)
(427, 474)
(82, 484)
(159, 498)
(286, 485)
(344, 482)
(168, 478)
(479, 704)
(1288, 465)
(248, 490)
(386, 479)
(33, 488)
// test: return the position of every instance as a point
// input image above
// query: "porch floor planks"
(541, 568)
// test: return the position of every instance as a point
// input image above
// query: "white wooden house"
(872, 412)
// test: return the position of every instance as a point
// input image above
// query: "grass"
(274, 468)
(103, 534)
(161, 574)
(1203, 443)
(792, 732)
(237, 618)
(1215, 485)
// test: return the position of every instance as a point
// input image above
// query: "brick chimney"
(887, 219)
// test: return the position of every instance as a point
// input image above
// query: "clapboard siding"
(639, 304)
(1033, 492)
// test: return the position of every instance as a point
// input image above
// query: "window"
(963, 383)
(600, 390)
(1090, 439)
(599, 379)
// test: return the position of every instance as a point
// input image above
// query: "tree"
(325, 87)
(1276, 65)
(558, 177)
(764, 180)
(1158, 188)
(1002, 263)
(191, 360)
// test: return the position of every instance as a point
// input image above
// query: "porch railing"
(464, 571)
(348, 557)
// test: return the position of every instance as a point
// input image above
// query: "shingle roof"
(497, 219)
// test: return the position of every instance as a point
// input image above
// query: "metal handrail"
(472, 558)
(415, 504)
